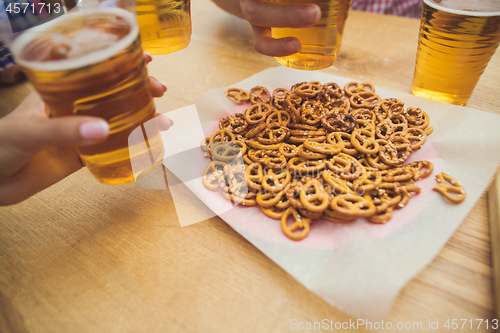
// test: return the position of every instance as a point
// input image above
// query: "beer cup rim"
(27, 37)
(460, 12)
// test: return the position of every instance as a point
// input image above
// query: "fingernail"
(311, 14)
(164, 86)
(292, 46)
(94, 130)
(149, 54)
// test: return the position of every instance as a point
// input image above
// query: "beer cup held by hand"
(457, 40)
(165, 25)
(321, 42)
(91, 63)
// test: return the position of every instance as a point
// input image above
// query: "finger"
(148, 57)
(267, 14)
(163, 122)
(37, 132)
(265, 44)
(157, 88)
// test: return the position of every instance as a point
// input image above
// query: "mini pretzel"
(337, 217)
(309, 154)
(281, 117)
(313, 196)
(416, 136)
(355, 87)
(253, 175)
(450, 188)
(273, 212)
(220, 136)
(364, 141)
(364, 100)
(259, 95)
(310, 89)
(311, 112)
(256, 130)
(421, 169)
(276, 181)
(258, 145)
(238, 95)
(269, 199)
(288, 150)
(383, 108)
(302, 166)
(228, 151)
(339, 185)
(300, 223)
(279, 96)
(210, 177)
(323, 148)
(257, 113)
(352, 205)
(344, 139)
(274, 133)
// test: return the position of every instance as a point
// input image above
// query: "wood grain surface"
(86, 257)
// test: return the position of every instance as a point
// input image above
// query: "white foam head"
(93, 52)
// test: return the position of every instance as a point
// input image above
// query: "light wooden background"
(86, 257)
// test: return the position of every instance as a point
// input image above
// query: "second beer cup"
(320, 43)
(90, 62)
(457, 40)
(165, 25)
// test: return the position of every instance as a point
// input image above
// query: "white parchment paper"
(358, 267)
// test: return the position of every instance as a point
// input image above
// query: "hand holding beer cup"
(37, 151)
(457, 40)
(301, 34)
(264, 15)
(89, 62)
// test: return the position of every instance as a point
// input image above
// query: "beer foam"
(467, 7)
(87, 51)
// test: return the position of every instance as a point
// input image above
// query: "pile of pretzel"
(318, 151)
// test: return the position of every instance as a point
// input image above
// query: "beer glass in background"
(457, 40)
(90, 62)
(320, 43)
(165, 25)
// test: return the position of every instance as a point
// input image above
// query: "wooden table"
(87, 257)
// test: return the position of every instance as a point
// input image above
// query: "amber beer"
(320, 43)
(457, 40)
(165, 25)
(91, 63)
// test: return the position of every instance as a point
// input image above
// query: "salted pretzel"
(356, 87)
(321, 151)
(352, 205)
(450, 188)
(300, 223)
(238, 95)
(259, 94)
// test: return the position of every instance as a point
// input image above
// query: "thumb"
(36, 132)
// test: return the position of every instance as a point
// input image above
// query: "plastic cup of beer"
(165, 25)
(89, 62)
(321, 42)
(457, 40)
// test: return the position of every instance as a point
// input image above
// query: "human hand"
(262, 15)
(37, 151)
